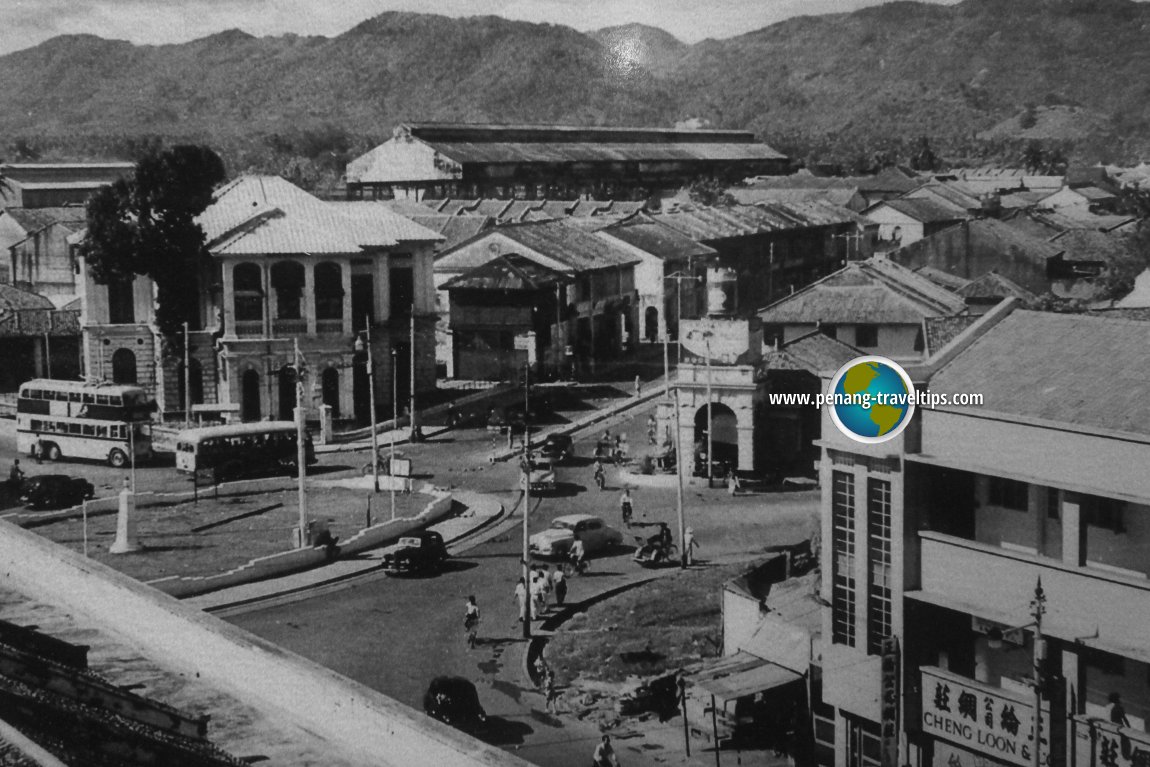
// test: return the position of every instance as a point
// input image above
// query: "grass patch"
(669, 623)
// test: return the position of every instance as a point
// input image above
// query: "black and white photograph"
(633, 383)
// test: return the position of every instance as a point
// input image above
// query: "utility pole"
(47, 354)
(679, 485)
(710, 423)
(187, 383)
(301, 449)
(1038, 609)
(526, 471)
(679, 277)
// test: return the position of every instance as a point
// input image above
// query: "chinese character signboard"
(1099, 743)
(988, 720)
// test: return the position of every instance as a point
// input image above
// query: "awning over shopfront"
(740, 675)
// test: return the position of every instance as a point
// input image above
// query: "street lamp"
(994, 639)
(394, 425)
(301, 447)
(526, 473)
(362, 345)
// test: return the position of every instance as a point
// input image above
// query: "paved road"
(396, 635)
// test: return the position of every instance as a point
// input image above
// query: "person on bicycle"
(604, 754)
(471, 621)
(625, 506)
(600, 476)
(578, 555)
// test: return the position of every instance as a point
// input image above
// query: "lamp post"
(679, 278)
(301, 449)
(526, 472)
(394, 424)
(1037, 610)
(411, 383)
(187, 383)
(365, 345)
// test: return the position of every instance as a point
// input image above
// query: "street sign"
(523, 343)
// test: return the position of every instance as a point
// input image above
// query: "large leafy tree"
(145, 225)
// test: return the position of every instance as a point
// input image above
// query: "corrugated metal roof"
(754, 196)
(1074, 369)
(503, 152)
(658, 239)
(558, 240)
(14, 299)
(448, 131)
(374, 224)
(923, 209)
(939, 277)
(509, 272)
(872, 291)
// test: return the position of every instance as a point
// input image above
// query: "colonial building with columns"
(287, 269)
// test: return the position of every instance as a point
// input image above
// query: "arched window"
(651, 324)
(287, 280)
(287, 392)
(328, 291)
(248, 290)
(124, 366)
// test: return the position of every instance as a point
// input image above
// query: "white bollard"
(125, 542)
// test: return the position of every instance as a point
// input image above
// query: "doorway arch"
(124, 366)
(724, 441)
(250, 396)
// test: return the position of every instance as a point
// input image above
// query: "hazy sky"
(24, 23)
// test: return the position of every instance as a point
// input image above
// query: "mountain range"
(961, 75)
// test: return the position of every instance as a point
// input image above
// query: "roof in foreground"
(508, 272)
(703, 223)
(873, 291)
(560, 240)
(921, 209)
(1068, 369)
(813, 352)
(262, 215)
(658, 239)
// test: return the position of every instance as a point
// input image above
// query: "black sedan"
(420, 553)
(454, 700)
(558, 447)
(55, 491)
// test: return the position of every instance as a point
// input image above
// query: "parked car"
(422, 552)
(517, 414)
(556, 541)
(454, 700)
(55, 491)
(558, 447)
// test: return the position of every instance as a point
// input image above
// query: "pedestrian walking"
(536, 591)
(521, 598)
(471, 622)
(550, 691)
(604, 755)
(15, 475)
(638, 385)
(626, 509)
(689, 546)
(1117, 712)
(732, 482)
(545, 585)
(559, 583)
(38, 449)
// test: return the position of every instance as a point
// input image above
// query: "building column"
(746, 429)
(1036, 506)
(350, 324)
(228, 297)
(1073, 531)
(381, 287)
(309, 296)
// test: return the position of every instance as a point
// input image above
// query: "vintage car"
(541, 476)
(556, 541)
(454, 700)
(55, 491)
(558, 447)
(421, 552)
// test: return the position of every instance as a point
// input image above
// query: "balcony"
(329, 327)
(249, 328)
(1088, 605)
(288, 328)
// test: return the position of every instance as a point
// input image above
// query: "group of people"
(544, 582)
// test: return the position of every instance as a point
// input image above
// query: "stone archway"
(724, 441)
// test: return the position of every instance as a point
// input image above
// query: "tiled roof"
(813, 352)
(34, 219)
(705, 224)
(927, 211)
(375, 224)
(755, 196)
(950, 195)
(558, 240)
(871, 291)
(14, 299)
(1094, 194)
(942, 330)
(944, 279)
(516, 211)
(509, 272)
(994, 285)
(1022, 199)
(658, 240)
(1078, 217)
(1088, 245)
(1075, 369)
(263, 215)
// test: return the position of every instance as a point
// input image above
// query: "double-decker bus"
(74, 419)
(241, 450)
